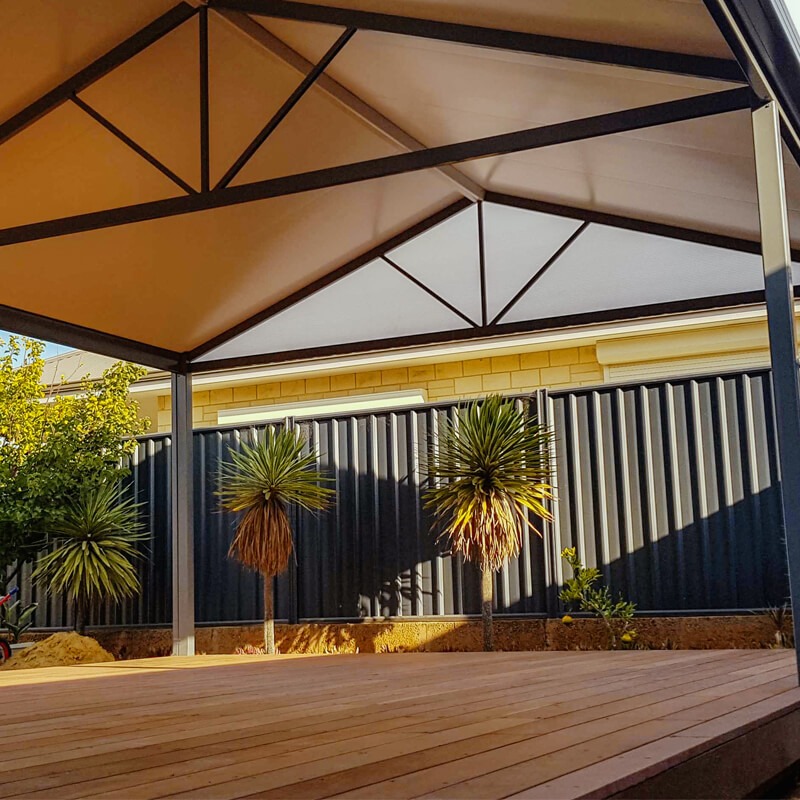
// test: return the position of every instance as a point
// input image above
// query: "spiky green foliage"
(17, 618)
(262, 481)
(491, 473)
(96, 546)
(53, 444)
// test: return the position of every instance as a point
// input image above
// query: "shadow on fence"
(670, 488)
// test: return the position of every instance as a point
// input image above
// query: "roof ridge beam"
(501, 144)
(97, 69)
(533, 43)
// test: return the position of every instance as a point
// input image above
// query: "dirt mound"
(59, 650)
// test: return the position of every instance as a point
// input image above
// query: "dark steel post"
(182, 491)
(776, 256)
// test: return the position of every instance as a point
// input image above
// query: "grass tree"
(96, 545)
(262, 482)
(490, 471)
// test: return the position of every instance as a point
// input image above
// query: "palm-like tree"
(262, 481)
(96, 546)
(490, 473)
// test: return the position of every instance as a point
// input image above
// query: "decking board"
(444, 725)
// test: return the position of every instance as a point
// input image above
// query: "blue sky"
(50, 349)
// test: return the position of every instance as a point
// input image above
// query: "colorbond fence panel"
(671, 488)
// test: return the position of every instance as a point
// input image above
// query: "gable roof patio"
(201, 186)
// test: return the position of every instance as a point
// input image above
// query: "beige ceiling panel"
(66, 163)
(177, 282)
(247, 86)
(53, 39)
(637, 158)
(638, 199)
(682, 26)
(154, 98)
(309, 39)
(317, 133)
(442, 93)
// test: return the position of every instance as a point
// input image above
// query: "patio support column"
(182, 492)
(776, 257)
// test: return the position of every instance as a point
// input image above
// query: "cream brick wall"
(452, 380)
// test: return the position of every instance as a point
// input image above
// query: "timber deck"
(446, 725)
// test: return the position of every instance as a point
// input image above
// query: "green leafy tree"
(491, 473)
(581, 590)
(96, 544)
(261, 483)
(53, 445)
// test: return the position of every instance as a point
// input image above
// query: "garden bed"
(745, 631)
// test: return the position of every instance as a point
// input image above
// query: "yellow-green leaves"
(53, 445)
(262, 481)
(490, 470)
(96, 545)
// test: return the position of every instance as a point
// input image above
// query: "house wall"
(450, 380)
(660, 350)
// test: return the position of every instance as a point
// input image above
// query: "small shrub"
(96, 548)
(250, 650)
(16, 618)
(781, 618)
(581, 590)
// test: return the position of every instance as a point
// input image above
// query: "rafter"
(96, 70)
(502, 144)
(80, 337)
(205, 147)
(558, 47)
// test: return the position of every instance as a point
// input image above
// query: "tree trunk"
(487, 596)
(269, 616)
(80, 618)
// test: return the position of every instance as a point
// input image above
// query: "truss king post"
(182, 495)
(776, 257)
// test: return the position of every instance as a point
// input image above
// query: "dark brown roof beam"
(558, 47)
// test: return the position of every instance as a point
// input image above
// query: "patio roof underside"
(193, 266)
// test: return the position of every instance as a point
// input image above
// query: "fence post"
(550, 533)
(292, 612)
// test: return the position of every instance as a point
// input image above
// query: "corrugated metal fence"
(670, 488)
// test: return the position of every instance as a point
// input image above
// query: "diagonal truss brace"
(135, 146)
(294, 98)
(350, 101)
(96, 70)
